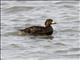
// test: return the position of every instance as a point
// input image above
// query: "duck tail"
(21, 30)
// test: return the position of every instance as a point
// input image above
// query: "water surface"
(64, 43)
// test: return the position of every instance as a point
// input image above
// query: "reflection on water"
(62, 44)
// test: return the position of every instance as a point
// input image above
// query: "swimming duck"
(40, 30)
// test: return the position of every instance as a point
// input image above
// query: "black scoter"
(40, 30)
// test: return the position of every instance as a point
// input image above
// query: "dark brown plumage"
(40, 30)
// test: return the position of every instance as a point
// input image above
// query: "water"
(64, 44)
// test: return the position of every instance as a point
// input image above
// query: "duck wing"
(42, 30)
(36, 29)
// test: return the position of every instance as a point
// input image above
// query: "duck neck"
(47, 25)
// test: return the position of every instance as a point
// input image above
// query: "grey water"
(64, 44)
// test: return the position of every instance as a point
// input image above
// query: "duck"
(47, 29)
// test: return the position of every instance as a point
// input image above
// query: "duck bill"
(54, 23)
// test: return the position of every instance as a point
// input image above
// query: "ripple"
(68, 50)
(74, 49)
(72, 56)
(16, 9)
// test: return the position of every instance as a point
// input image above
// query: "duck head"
(49, 22)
